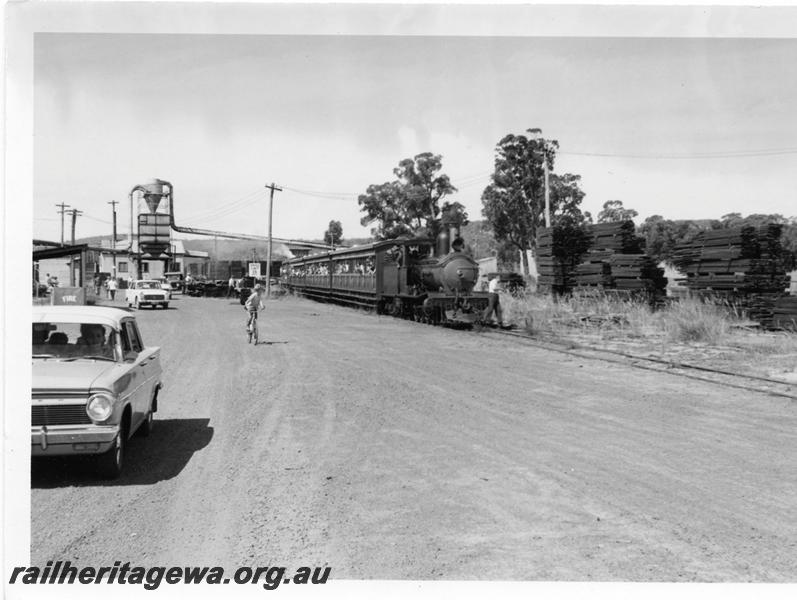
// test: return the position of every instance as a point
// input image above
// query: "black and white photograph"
(398, 300)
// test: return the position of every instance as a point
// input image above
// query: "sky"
(684, 127)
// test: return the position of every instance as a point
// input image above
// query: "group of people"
(234, 287)
(92, 340)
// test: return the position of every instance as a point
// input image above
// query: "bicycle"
(251, 328)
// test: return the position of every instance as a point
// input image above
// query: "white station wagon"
(94, 383)
(147, 292)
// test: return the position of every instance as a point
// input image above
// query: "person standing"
(231, 287)
(112, 287)
(494, 301)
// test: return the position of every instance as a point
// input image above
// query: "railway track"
(751, 383)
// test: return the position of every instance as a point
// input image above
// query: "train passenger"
(494, 301)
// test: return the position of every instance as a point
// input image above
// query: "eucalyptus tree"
(514, 202)
(412, 204)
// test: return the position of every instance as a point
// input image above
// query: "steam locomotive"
(422, 279)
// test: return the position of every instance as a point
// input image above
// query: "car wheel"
(110, 463)
(166, 306)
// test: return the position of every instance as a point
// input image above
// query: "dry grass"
(690, 320)
(690, 330)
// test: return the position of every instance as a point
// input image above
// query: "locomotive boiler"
(423, 279)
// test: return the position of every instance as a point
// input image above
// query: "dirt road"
(391, 450)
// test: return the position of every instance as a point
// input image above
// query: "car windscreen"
(72, 341)
(149, 285)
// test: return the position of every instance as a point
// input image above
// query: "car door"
(138, 361)
(149, 362)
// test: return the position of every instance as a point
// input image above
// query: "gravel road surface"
(387, 449)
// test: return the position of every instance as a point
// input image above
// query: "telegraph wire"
(727, 154)
(229, 208)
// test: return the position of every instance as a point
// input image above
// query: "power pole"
(75, 212)
(213, 274)
(536, 135)
(113, 204)
(271, 187)
(62, 211)
(547, 192)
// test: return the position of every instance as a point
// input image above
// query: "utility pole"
(113, 204)
(536, 135)
(271, 187)
(547, 192)
(62, 211)
(215, 262)
(75, 212)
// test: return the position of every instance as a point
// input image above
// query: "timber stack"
(606, 256)
(743, 265)
(559, 251)
(784, 313)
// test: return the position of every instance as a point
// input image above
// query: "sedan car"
(147, 292)
(94, 383)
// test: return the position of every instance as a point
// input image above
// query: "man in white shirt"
(112, 287)
(494, 305)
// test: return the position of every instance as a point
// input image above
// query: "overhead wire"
(226, 209)
(692, 156)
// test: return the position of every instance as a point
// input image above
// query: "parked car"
(176, 281)
(95, 384)
(146, 292)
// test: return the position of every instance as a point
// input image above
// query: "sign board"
(254, 269)
(69, 295)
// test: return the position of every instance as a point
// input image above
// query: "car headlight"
(100, 407)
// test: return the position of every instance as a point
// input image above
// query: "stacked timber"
(637, 272)
(593, 273)
(615, 261)
(745, 265)
(784, 313)
(739, 259)
(559, 251)
(603, 256)
(619, 237)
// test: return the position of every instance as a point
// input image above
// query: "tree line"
(416, 203)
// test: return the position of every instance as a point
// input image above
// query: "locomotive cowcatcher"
(413, 278)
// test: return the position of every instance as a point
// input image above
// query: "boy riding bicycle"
(253, 304)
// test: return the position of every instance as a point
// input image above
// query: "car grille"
(65, 414)
(153, 297)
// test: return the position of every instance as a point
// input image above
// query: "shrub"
(696, 320)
